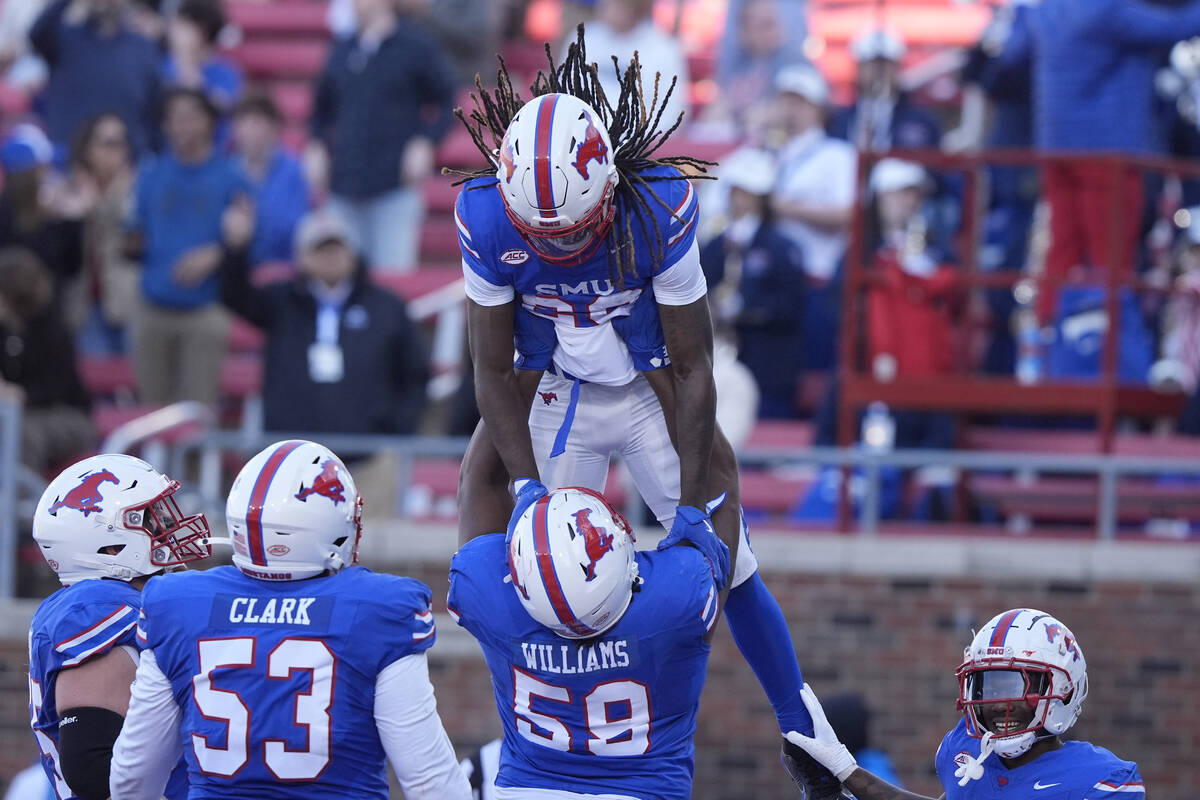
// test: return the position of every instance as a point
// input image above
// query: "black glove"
(815, 782)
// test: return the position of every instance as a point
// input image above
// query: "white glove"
(825, 748)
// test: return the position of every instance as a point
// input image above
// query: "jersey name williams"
(565, 659)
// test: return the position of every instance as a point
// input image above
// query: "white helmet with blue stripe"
(557, 177)
(571, 561)
(1023, 678)
(293, 512)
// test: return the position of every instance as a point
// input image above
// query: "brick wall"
(896, 640)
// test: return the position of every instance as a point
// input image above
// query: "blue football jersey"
(614, 714)
(1075, 771)
(76, 623)
(276, 680)
(565, 311)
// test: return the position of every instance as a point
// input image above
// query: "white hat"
(750, 169)
(320, 226)
(1191, 231)
(878, 43)
(891, 174)
(803, 80)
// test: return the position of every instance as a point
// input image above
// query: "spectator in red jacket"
(912, 298)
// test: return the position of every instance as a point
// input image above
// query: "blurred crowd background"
(932, 216)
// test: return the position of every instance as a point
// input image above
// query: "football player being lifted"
(1022, 684)
(579, 249)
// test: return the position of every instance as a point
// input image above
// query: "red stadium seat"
(294, 100)
(439, 240)
(244, 337)
(279, 17)
(440, 194)
(104, 376)
(281, 59)
(416, 283)
(241, 376)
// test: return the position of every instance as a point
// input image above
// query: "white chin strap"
(972, 770)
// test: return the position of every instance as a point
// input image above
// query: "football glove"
(695, 527)
(814, 781)
(526, 492)
(824, 747)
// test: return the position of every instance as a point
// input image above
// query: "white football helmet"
(293, 512)
(1022, 659)
(571, 560)
(80, 516)
(557, 177)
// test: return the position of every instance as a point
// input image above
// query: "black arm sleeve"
(238, 293)
(85, 743)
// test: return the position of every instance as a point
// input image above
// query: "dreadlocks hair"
(633, 127)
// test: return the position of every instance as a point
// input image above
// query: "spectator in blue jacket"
(757, 283)
(1094, 92)
(98, 63)
(382, 102)
(344, 345)
(280, 188)
(883, 116)
(180, 330)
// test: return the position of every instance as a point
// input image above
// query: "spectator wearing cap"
(180, 329)
(910, 305)
(37, 364)
(813, 199)
(38, 210)
(1093, 91)
(281, 194)
(623, 27)
(383, 101)
(345, 346)
(97, 63)
(757, 283)
(883, 116)
(192, 61)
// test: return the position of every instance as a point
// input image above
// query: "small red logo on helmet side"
(597, 541)
(326, 484)
(1054, 631)
(548, 397)
(506, 158)
(86, 496)
(279, 550)
(592, 148)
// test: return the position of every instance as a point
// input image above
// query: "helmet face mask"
(1023, 678)
(175, 539)
(556, 175)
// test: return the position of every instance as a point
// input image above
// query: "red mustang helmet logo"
(593, 147)
(506, 158)
(327, 484)
(1054, 631)
(597, 541)
(86, 496)
(548, 397)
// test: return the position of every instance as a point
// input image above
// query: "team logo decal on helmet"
(506, 158)
(591, 148)
(86, 496)
(597, 541)
(326, 484)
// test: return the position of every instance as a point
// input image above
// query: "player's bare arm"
(687, 331)
(497, 389)
(867, 786)
(484, 502)
(101, 682)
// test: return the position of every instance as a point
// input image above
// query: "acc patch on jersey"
(514, 256)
